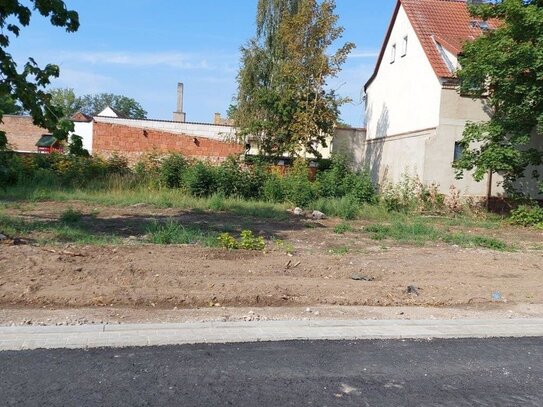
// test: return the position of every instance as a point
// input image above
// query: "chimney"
(179, 115)
(217, 119)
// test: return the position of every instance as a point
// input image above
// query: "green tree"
(9, 106)
(505, 66)
(282, 97)
(66, 100)
(93, 104)
(26, 86)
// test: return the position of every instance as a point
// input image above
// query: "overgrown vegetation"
(337, 190)
(419, 232)
(528, 215)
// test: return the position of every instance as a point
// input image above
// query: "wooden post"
(489, 190)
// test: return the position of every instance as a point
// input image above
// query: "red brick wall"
(134, 142)
(22, 135)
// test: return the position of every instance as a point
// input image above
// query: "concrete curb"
(94, 336)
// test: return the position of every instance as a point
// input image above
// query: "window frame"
(405, 44)
(393, 50)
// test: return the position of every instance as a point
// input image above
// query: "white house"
(414, 113)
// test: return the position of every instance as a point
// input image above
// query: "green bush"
(71, 216)
(201, 180)
(171, 171)
(527, 216)
(249, 241)
(298, 188)
(273, 189)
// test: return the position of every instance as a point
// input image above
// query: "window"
(404, 47)
(393, 54)
(458, 150)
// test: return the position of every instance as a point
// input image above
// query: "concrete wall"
(404, 96)
(455, 112)
(350, 142)
(133, 142)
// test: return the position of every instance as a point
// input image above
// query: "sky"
(142, 48)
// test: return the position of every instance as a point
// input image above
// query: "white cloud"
(83, 81)
(141, 59)
(364, 54)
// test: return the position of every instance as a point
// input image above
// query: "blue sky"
(142, 48)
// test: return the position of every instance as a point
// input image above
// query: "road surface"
(463, 372)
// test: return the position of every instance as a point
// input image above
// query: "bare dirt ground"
(134, 281)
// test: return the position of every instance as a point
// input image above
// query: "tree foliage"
(94, 104)
(26, 86)
(66, 100)
(505, 66)
(283, 100)
(70, 103)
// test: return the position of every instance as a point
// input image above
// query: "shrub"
(171, 171)
(298, 188)
(227, 241)
(11, 167)
(216, 202)
(360, 187)
(71, 216)
(249, 241)
(527, 216)
(332, 181)
(410, 194)
(273, 189)
(231, 180)
(200, 180)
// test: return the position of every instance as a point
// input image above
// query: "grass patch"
(52, 232)
(342, 228)
(71, 216)
(339, 250)
(160, 198)
(173, 232)
(418, 232)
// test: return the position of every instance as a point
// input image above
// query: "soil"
(317, 271)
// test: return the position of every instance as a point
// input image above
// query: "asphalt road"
(467, 372)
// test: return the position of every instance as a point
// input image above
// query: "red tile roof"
(447, 22)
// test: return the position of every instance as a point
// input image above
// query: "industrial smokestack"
(179, 115)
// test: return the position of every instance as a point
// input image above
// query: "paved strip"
(94, 336)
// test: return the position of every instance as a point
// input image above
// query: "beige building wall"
(455, 112)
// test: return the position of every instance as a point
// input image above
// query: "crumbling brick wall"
(132, 143)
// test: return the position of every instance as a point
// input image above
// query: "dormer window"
(404, 46)
(393, 54)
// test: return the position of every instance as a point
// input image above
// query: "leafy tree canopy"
(505, 66)
(283, 100)
(93, 104)
(26, 86)
(70, 103)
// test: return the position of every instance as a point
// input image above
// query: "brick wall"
(133, 142)
(21, 133)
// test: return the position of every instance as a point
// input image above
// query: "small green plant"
(71, 216)
(173, 232)
(527, 216)
(227, 241)
(249, 241)
(339, 251)
(287, 247)
(342, 228)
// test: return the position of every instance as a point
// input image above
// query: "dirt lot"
(316, 271)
